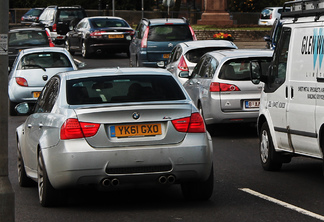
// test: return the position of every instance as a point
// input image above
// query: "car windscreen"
(28, 38)
(122, 89)
(169, 33)
(239, 69)
(105, 22)
(195, 54)
(43, 60)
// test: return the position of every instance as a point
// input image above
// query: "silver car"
(32, 69)
(221, 88)
(185, 56)
(112, 128)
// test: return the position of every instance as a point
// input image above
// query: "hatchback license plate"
(116, 36)
(250, 104)
(36, 94)
(135, 130)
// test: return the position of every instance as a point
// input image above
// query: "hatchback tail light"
(222, 87)
(144, 40)
(21, 81)
(192, 124)
(51, 44)
(73, 129)
(183, 65)
(22, 19)
(194, 38)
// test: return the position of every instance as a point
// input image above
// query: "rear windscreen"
(28, 37)
(70, 14)
(169, 33)
(122, 89)
(195, 54)
(44, 60)
(266, 13)
(239, 69)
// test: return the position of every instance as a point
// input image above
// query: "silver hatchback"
(221, 88)
(112, 128)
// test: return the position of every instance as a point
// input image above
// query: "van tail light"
(21, 81)
(192, 124)
(270, 16)
(73, 129)
(144, 40)
(54, 28)
(183, 65)
(222, 87)
(194, 38)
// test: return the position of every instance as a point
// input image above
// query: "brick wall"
(238, 36)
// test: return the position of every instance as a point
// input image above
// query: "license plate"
(166, 56)
(250, 104)
(36, 94)
(116, 36)
(135, 130)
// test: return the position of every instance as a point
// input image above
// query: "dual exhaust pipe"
(168, 179)
(107, 182)
(165, 179)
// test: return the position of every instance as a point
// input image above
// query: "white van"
(291, 116)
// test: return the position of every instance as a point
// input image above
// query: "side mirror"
(184, 74)
(258, 71)
(79, 64)
(267, 38)
(23, 108)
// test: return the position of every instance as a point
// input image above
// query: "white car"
(221, 88)
(32, 69)
(185, 56)
(112, 128)
(269, 15)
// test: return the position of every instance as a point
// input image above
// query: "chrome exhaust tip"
(106, 182)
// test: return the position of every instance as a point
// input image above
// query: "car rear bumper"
(23, 94)
(74, 162)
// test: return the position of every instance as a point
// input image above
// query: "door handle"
(40, 125)
(29, 126)
(292, 92)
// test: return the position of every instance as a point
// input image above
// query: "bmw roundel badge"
(136, 115)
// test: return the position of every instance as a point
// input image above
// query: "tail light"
(183, 65)
(73, 129)
(54, 28)
(131, 32)
(144, 40)
(51, 44)
(194, 38)
(22, 19)
(222, 87)
(21, 81)
(97, 34)
(192, 124)
(271, 16)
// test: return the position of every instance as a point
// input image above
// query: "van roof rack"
(303, 8)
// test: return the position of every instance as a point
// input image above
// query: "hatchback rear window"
(70, 14)
(195, 54)
(28, 37)
(239, 69)
(44, 60)
(169, 33)
(104, 22)
(266, 13)
(122, 89)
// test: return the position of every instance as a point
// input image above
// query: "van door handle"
(291, 92)
(40, 125)
(29, 126)
(286, 92)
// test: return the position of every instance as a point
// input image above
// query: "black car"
(100, 34)
(58, 19)
(24, 38)
(31, 16)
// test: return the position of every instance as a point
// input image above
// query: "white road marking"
(284, 204)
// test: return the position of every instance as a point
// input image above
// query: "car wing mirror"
(267, 38)
(259, 71)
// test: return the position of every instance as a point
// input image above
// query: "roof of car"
(206, 43)
(26, 29)
(160, 21)
(114, 71)
(241, 53)
(44, 49)
(101, 17)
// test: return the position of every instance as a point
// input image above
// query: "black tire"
(85, 50)
(12, 110)
(199, 190)
(270, 159)
(48, 196)
(67, 47)
(23, 179)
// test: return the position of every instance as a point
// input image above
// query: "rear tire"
(23, 179)
(85, 51)
(270, 159)
(199, 190)
(48, 196)
(67, 47)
